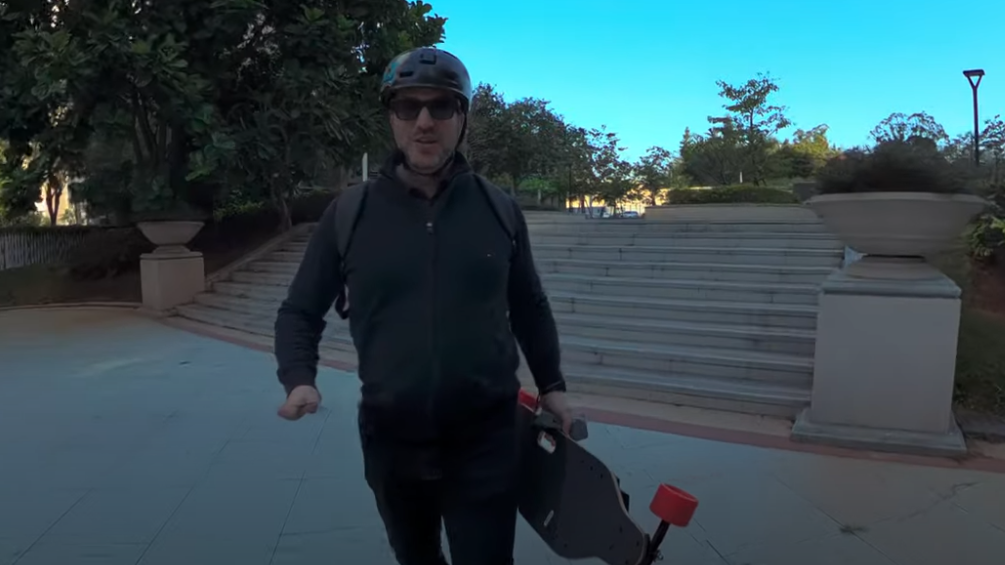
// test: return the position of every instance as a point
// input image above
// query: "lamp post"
(971, 75)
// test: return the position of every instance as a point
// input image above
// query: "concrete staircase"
(694, 312)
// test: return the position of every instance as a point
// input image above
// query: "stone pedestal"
(171, 278)
(885, 360)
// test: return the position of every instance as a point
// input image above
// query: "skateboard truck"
(673, 507)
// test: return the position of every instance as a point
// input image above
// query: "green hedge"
(736, 194)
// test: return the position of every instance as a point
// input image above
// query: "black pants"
(465, 483)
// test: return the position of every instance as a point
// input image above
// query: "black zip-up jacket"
(437, 293)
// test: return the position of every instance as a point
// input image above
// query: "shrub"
(986, 235)
(310, 206)
(734, 194)
(894, 166)
(107, 252)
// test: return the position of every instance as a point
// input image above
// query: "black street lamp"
(971, 75)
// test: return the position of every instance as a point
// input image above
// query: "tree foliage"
(715, 158)
(654, 172)
(756, 120)
(162, 105)
(167, 107)
(518, 140)
(805, 154)
(903, 127)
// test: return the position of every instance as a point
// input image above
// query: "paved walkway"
(124, 442)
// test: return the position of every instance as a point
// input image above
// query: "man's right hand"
(303, 399)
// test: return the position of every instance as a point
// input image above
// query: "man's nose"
(424, 121)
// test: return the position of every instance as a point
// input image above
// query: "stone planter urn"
(170, 236)
(887, 325)
(896, 230)
(172, 274)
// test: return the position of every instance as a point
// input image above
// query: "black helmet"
(426, 67)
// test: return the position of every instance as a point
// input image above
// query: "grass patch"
(42, 284)
(980, 353)
(980, 362)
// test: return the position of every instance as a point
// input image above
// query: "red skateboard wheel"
(673, 506)
(528, 399)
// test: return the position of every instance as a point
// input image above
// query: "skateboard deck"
(571, 498)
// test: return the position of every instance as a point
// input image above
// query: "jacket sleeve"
(531, 318)
(300, 320)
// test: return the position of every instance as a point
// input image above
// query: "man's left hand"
(556, 403)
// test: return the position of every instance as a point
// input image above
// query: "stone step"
(239, 305)
(652, 226)
(658, 358)
(692, 239)
(283, 267)
(334, 338)
(706, 362)
(641, 331)
(263, 278)
(263, 293)
(771, 384)
(643, 289)
(721, 255)
(767, 315)
(782, 316)
(785, 401)
(256, 309)
(670, 270)
(284, 257)
(830, 258)
(669, 240)
(775, 293)
(619, 328)
(627, 269)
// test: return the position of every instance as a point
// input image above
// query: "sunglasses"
(408, 109)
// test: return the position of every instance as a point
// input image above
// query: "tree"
(573, 170)
(654, 172)
(991, 170)
(519, 140)
(993, 148)
(901, 127)
(755, 119)
(610, 175)
(306, 102)
(716, 158)
(43, 135)
(487, 133)
(177, 98)
(805, 154)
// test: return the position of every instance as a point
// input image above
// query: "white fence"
(27, 246)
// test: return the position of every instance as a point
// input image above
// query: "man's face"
(427, 124)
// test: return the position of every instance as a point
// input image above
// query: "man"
(438, 291)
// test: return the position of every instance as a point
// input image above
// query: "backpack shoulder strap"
(347, 212)
(503, 206)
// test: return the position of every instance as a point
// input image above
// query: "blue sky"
(647, 68)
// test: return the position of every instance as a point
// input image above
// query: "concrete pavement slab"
(123, 441)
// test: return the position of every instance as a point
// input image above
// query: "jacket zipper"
(434, 358)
